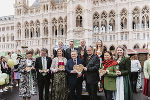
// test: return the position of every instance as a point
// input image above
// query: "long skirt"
(128, 94)
(124, 90)
(120, 88)
(139, 83)
(59, 87)
(27, 86)
(146, 90)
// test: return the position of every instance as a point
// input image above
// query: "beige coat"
(147, 69)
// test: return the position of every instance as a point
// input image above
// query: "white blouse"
(135, 65)
(29, 62)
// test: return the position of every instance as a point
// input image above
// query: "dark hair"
(19, 57)
(2, 57)
(71, 41)
(44, 50)
(131, 55)
(9, 53)
(109, 54)
(29, 52)
(61, 51)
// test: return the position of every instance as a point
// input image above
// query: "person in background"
(27, 86)
(91, 71)
(8, 56)
(7, 70)
(135, 69)
(3, 79)
(16, 69)
(68, 51)
(109, 72)
(82, 54)
(99, 51)
(42, 66)
(60, 45)
(124, 90)
(146, 71)
(74, 79)
(59, 85)
(139, 79)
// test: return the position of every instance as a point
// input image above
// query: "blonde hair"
(102, 47)
(124, 51)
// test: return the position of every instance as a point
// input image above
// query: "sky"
(6, 7)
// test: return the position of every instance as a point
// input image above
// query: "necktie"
(44, 67)
(44, 63)
(89, 57)
(74, 62)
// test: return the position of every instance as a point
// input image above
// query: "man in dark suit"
(42, 66)
(68, 51)
(91, 73)
(82, 54)
(74, 79)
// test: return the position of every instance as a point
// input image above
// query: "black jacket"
(38, 66)
(84, 56)
(92, 73)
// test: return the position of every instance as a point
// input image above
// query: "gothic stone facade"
(115, 22)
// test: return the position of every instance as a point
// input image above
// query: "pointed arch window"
(111, 25)
(96, 22)
(103, 26)
(45, 27)
(54, 27)
(123, 22)
(18, 30)
(61, 26)
(37, 29)
(79, 19)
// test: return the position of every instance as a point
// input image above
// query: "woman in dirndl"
(146, 70)
(123, 85)
(59, 85)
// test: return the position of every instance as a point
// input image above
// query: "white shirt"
(72, 49)
(135, 65)
(29, 62)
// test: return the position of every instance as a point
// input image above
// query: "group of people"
(57, 78)
(10, 76)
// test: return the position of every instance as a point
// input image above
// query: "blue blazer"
(69, 66)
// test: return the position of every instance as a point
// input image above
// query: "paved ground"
(12, 94)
